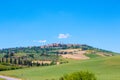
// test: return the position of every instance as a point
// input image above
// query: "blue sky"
(36, 22)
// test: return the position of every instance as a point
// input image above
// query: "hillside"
(54, 49)
(52, 52)
(51, 61)
(47, 55)
(104, 68)
(50, 47)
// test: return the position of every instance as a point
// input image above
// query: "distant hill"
(55, 48)
(49, 47)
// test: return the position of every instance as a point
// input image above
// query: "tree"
(82, 75)
(11, 60)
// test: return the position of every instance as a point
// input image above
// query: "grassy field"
(2, 79)
(107, 68)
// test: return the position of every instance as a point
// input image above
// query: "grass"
(107, 68)
(92, 55)
(2, 79)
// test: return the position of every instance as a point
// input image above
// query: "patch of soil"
(77, 56)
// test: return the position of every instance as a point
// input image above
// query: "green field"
(107, 68)
(2, 79)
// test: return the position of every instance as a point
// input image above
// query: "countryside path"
(8, 78)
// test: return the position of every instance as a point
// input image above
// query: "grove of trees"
(82, 75)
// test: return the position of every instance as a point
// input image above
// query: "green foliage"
(48, 49)
(92, 55)
(26, 59)
(1, 55)
(5, 66)
(82, 75)
(63, 61)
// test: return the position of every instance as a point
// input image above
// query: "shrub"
(10, 67)
(82, 75)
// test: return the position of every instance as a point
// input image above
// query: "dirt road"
(8, 78)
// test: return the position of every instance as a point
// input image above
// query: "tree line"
(45, 48)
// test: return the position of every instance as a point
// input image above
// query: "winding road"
(8, 78)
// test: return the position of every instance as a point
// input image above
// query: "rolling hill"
(55, 48)
(105, 64)
(106, 68)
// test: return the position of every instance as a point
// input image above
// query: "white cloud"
(63, 36)
(40, 41)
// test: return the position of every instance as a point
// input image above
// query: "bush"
(10, 67)
(82, 75)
